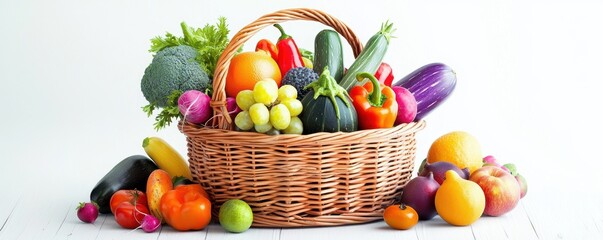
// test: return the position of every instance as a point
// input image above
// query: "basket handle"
(218, 101)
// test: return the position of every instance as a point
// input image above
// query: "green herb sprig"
(168, 113)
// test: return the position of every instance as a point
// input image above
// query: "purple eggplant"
(431, 85)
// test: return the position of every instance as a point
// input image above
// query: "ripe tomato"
(400, 217)
(127, 196)
(249, 67)
(129, 208)
(130, 216)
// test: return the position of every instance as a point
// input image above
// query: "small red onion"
(439, 170)
(419, 193)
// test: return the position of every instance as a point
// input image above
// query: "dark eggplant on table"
(131, 173)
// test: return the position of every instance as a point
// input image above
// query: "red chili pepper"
(375, 103)
(288, 54)
(268, 46)
(385, 74)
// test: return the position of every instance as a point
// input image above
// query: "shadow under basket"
(320, 179)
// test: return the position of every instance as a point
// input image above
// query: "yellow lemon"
(458, 201)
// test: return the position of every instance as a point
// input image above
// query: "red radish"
(407, 105)
(87, 212)
(150, 223)
(194, 106)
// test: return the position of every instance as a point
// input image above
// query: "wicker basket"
(321, 179)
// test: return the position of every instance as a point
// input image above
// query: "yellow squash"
(166, 157)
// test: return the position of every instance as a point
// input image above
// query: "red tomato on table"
(129, 207)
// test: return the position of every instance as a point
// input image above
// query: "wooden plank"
(512, 225)
(7, 208)
(41, 214)
(31, 217)
(374, 230)
(564, 216)
(598, 213)
(18, 220)
(572, 215)
(583, 221)
(168, 233)
(594, 215)
(111, 230)
(73, 228)
(50, 221)
(437, 228)
(215, 231)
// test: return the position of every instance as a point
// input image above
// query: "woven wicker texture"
(321, 179)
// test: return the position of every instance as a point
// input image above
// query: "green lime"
(235, 216)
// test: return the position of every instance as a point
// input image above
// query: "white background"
(528, 81)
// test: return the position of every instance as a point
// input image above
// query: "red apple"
(500, 187)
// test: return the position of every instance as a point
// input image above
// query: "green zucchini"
(328, 52)
(370, 58)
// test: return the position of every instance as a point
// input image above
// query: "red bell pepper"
(384, 74)
(268, 46)
(288, 53)
(375, 103)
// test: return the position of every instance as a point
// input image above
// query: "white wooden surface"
(42, 214)
(528, 89)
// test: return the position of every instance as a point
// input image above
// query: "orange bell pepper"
(194, 187)
(186, 208)
(374, 102)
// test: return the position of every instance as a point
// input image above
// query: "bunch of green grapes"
(269, 109)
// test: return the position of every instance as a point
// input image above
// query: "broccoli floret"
(173, 68)
(299, 77)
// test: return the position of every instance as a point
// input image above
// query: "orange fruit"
(247, 68)
(458, 201)
(459, 148)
